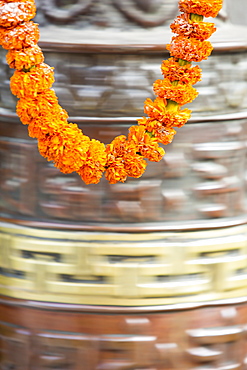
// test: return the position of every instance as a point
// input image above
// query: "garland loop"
(63, 142)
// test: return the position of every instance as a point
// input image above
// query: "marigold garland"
(184, 26)
(22, 36)
(206, 8)
(63, 142)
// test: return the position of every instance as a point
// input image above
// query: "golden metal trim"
(121, 269)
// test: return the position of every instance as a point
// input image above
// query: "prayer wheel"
(149, 274)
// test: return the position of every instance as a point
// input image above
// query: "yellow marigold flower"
(189, 49)
(207, 8)
(183, 26)
(134, 165)
(22, 36)
(180, 93)
(25, 58)
(13, 13)
(116, 172)
(29, 108)
(186, 74)
(31, 83)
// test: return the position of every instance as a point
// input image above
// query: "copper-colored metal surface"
(206, 338)
(200, 183)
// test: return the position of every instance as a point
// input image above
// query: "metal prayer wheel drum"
(149, 274)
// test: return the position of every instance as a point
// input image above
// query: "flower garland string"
(63, 142)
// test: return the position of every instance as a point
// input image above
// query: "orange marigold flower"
(155, 109)
(30, 107)
(162, 133)
(96, 155)
(186, 74)
(47, 123)
(120, 147)
(159, 112)
(182, 25)
(168, 119)
(25, 58)
(207, 8)
(13, 13)
(67, 148)
(135, 165)
(117, 147)
(75, 148)
(92, 171)
(19, 1)
(116, 172)
(153, 152)
(123, 160)
(189, 49)
(90, 175)
(50, 146)
(19, 37)
(31, 83)
(165, 135)
(180, 93)
(147, 145)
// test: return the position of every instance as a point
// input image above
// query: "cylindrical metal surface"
(150, 274)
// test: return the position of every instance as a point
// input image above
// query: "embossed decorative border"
(121, 269)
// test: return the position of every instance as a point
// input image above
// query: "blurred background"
(150, 274)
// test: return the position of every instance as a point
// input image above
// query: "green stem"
(196, 17)
(150, 134)
(27, 70)
(182, 62)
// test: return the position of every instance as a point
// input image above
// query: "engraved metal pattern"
(138, 13)
(123, 269)
(52, 11)
(112, 85)
(202, 177)
(147, 13)
(199, 339)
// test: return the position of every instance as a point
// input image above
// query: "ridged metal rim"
(219, 47)
(5, 300)
(193, 225)
(236, 116)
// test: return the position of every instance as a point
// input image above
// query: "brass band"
(123, 269)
